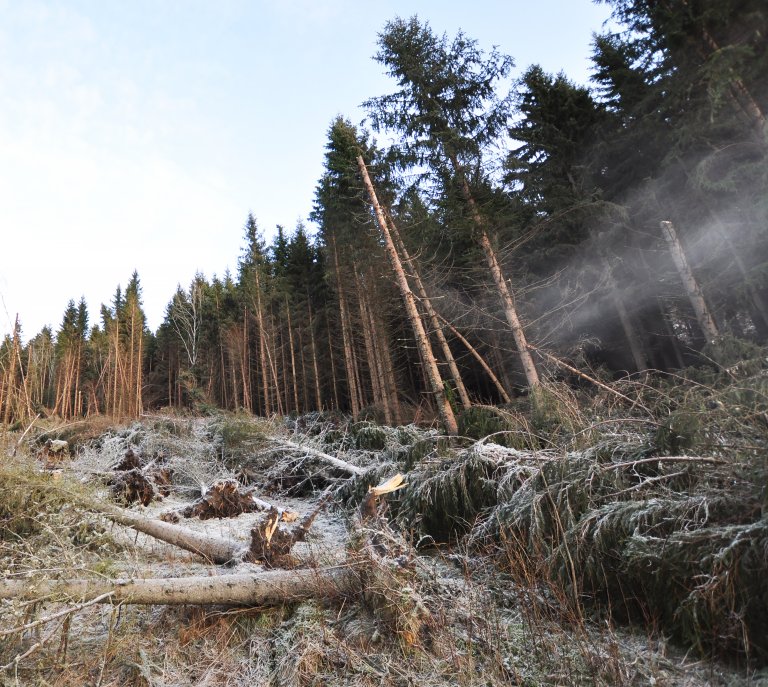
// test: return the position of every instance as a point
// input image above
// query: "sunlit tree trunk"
(510, 311)
(437, 328)
(430, 364)
(691, 286)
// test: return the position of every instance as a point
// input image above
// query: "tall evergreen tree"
(447, 112)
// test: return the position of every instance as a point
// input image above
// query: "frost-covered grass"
(597, 555)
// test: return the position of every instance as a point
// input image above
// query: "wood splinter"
(369, 506)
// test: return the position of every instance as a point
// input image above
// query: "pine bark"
(315, 367)
(432, 372)
(262, 350)
(346, 336)
(510, 311)
(215, 549)
(295, 383)
(255, 589)
(437, 328)
(374, 363)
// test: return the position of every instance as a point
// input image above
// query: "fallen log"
(253, 589)
(215, 549)
(326, 457)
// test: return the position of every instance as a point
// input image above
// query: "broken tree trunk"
(271, 543)
(257, 589)
(431, 370)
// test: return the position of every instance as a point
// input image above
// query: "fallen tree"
(270, 542)
(253, 589)
(215, 549)
(353, 470)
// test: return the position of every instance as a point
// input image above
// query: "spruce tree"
(447, 112)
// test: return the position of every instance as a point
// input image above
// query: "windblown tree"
(447, 112)
(14, 394)
(186, 314)
(41, 372)
(355, 261)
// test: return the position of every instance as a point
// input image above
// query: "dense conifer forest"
(616, 229)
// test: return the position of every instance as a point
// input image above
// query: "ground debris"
(136, 478)
(226, 498)
(271, 543)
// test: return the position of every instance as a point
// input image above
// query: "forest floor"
(445, 597)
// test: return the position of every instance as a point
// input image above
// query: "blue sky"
(139, 135)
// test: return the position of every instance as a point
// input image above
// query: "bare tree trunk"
(346, 336)
(244, 367)
(139, 374)
(272, 357)
(326, 457)
(691, 286)
(428, 358)
(433, 319)
(10, 400)
(374, 364)
(283, 367)
(334, 381)
(254, 589)
(303, 364)
(293, 359)
(213, 548)
(315, 367)
(384, 357)
(262, 350)
(499, 386)
(510, 311)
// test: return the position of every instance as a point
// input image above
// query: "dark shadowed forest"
(545, 304)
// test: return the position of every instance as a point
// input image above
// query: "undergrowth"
(601, 539)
